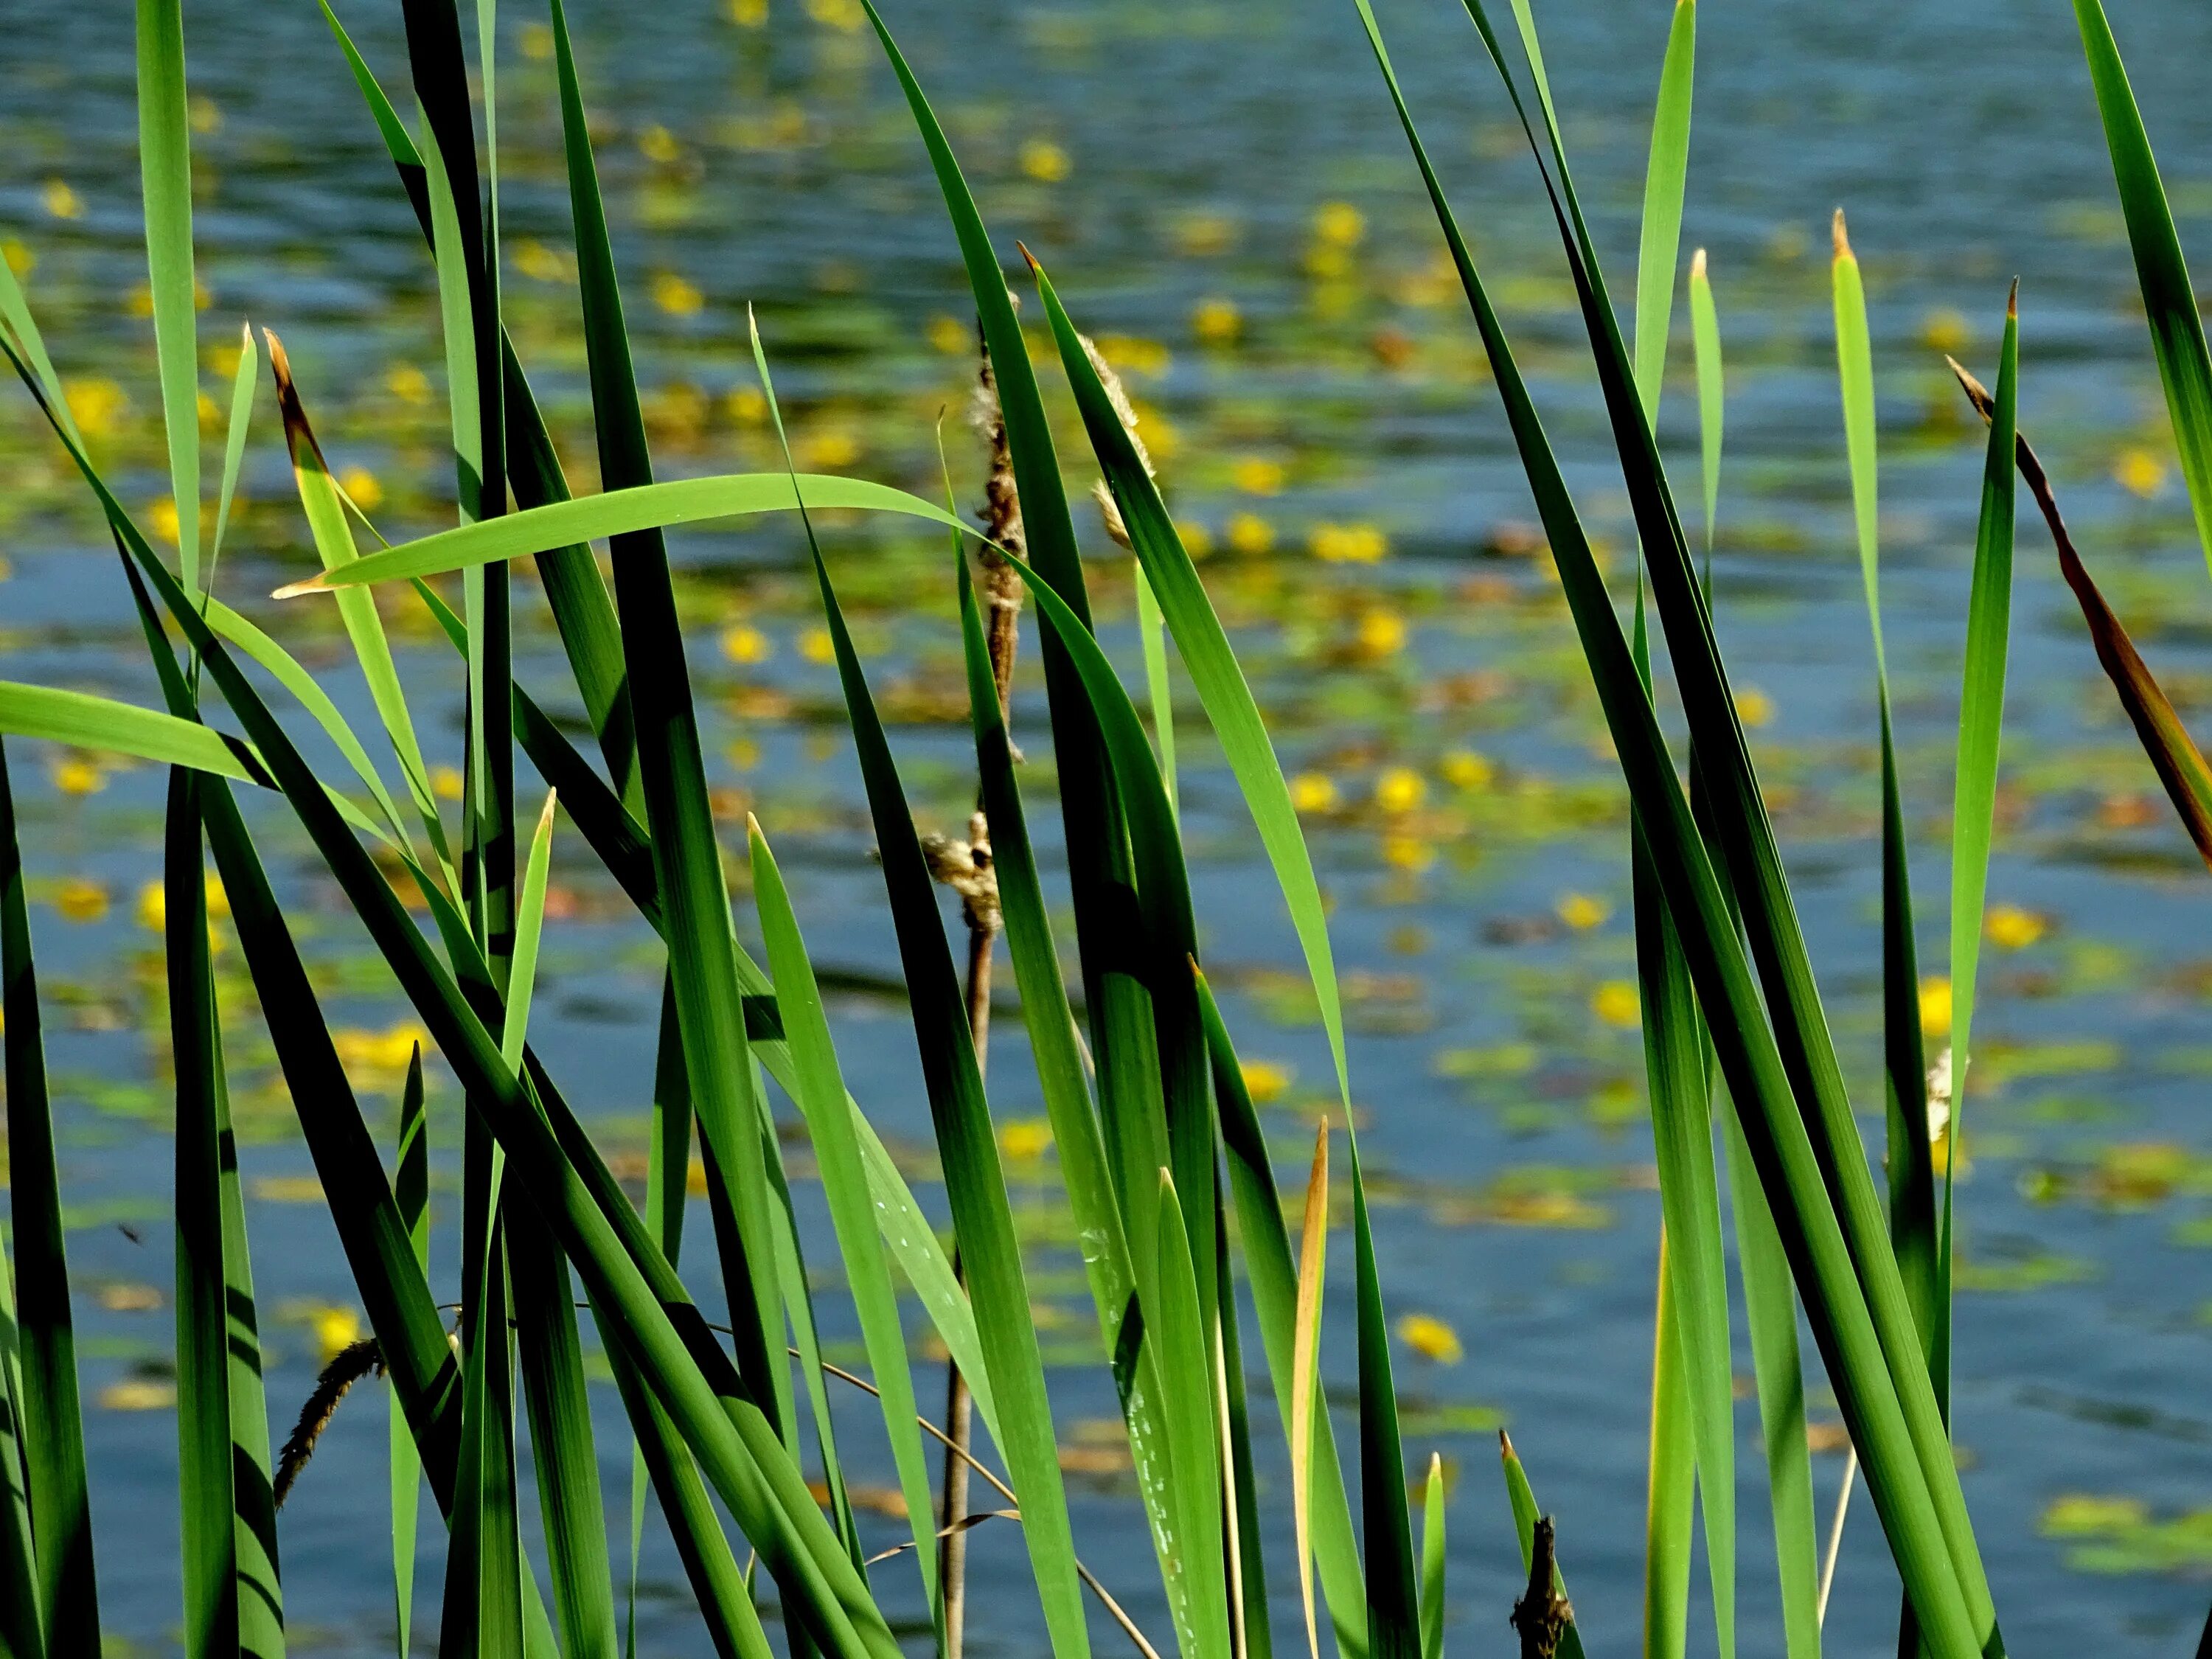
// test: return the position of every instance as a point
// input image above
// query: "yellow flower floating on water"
(164, 521)
(816, 645)
(535, 41)
(1382, 633)
(1348, 544)
(1936, 1005)
(677, 297)
(1945, 329)
(949, 335)
(96, 406)
(77, 775)
(362, 485)
(446, 782)
(1217, 321)
(747, 14)
(843, 14)
(1313, 791)
(1400, 789)
(1465, 769)
(2139, 472)
(1045, 161)
(1026, 1139)
(80, 898)
(2012, 929)
(138, 1393)
(1249, 534)
(388, 1050)
(1754, 707)
(1257, 476)
(1581, 911)
(336, 1329)
(409, 384)
(154, 903)
(1431, 1337)
(1340, 224)
(1616, 1004)
(61, 201)
(744, 643)
(1265, 1080)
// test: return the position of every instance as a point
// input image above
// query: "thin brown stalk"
(966, 867)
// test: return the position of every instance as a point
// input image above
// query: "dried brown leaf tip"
(1842, 238)
(1542, 1614)
(299, 437)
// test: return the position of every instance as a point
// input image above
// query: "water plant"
(1197, 1288)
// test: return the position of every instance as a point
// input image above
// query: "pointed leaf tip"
(1841, 239)
(1697, 265)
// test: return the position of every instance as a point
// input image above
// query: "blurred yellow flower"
(747, 14)
(1249, 534)
(61, 201)
(949, 335)
(831, 449)
(747, 405)
(1754, 707)
(1400, 789)
(1134, 354)
(205, 115)
(1581, 911)
(1616, 1003)
(1026, 1139)
(96, 406)
(816, 645)
(2012, 929)
(1313, 791)
(1936, 1005)
(1381, 633)
(77, 775)
(20, 258)
(535, 41)
(1265, 1080)
(388, 1050)
(1410, 853)
(657, 143)
(1217, 321)
(1340, 224)
(80, 898)
(138, 1393)
(1431, 1337)
(744, 643)
(1045, 161)
(845, 15)
(446, 782)
(538, 262)
(675, 296)
(1197, 539)
(2139, 472)
(1256, 476)
(336, 1329)
(1465, 769)
(1346, 544)
(1945, 329)
(409, 384)
(1204, 233)
(153, 905)
(360, 485)
(164, 521)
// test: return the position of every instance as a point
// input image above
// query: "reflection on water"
(1222, 195)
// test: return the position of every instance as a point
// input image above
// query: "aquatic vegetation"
(1147, 1159)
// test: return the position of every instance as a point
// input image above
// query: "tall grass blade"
(410, 1190)
(1305, 1371)
(164, 169)
(1187, 1407)
(1712, 387)
(821, 1098)
(1659, 247)
(1981, 724)
(65, 1606)
(975, 1183)
(1827, 1267)
(1432, 1560)
(2177, 327)
(1392, 1603)
(242, 385)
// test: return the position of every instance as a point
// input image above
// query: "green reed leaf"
(164, 169)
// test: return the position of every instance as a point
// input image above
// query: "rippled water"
(1171, 162)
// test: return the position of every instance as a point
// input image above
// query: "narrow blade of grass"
(1193, 1456)
(1660, 244)
(1827, 1265)
(2177, 328)
(65, 1606)
(410, 1193)
(821, 1098)
(1432, 1560)
(1712, 388)
(1392, 1603)
(1305, 1373)
(164, 169)
(1670, 1481)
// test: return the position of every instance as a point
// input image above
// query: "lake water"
(1232, 170)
